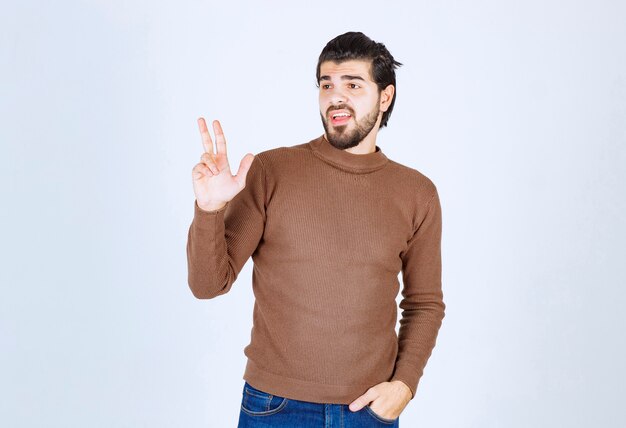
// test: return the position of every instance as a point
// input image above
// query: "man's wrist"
(404, 387)
(211, 206)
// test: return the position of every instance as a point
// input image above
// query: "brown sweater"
(328, 232)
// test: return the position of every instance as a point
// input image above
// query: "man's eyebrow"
(344, 77)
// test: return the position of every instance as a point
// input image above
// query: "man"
(329, 225)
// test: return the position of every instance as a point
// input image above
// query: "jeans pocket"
(259, 403)
(378, 417)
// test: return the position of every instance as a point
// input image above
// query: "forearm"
(419, 328)
(209, 271)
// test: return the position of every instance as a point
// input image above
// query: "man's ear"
(386, 96)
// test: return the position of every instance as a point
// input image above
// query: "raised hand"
(213, 184)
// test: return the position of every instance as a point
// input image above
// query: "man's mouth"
(339, 117)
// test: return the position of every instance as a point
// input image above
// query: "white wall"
(516, 110)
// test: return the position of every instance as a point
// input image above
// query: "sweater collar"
(345, 160)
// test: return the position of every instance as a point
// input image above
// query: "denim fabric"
(263, 410)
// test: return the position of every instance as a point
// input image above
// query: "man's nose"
(337, 96)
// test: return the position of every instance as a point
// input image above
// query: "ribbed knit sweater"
(328, 231)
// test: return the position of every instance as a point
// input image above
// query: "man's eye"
(324, 86)
(355, 86)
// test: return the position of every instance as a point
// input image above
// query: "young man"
(329, 225)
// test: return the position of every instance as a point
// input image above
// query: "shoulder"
(413, 180)
(279, 155)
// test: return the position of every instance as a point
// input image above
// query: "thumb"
(244, 167)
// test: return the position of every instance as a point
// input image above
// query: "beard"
(343, 137)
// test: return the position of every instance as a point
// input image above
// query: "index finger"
(206, 137)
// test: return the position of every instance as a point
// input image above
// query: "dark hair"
(355, 45)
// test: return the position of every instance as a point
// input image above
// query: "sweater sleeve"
(422, 304)
(220, 242)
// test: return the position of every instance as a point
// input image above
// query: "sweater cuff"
(197, 207)
(407, 377)
(205, 218)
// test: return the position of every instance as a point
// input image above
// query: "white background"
(515, 109)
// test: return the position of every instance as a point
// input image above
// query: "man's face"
(349, 102)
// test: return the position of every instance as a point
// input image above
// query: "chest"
(351, 216)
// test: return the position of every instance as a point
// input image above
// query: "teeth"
(340, 115)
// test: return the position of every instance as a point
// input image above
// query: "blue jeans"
(263, 410)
